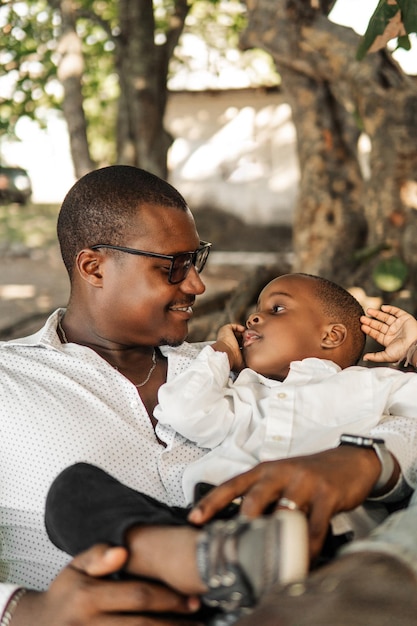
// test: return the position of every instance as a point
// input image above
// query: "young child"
(299, 392)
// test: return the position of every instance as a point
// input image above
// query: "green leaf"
(390, 274)
(404, 42)
(377, 25)
(408, 14)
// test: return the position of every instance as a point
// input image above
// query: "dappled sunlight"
(14, 292)
(224, 149)
(243, 160)
(409, 193)
(242, 131)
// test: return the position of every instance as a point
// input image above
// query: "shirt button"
(282, 395)
(134, 404)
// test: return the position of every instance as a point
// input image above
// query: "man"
(88, 381)
(84, 388)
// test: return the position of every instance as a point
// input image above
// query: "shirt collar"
(47, 336)
(307, 368)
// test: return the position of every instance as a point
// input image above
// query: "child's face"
(288, 326)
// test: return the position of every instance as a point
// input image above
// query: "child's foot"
(229, 563)
(239, 560)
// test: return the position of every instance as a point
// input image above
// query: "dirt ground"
(33, 282)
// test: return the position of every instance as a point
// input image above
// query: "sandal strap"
(219, 567)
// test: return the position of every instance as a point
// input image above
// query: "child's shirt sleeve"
(199, 402)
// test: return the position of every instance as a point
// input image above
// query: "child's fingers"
(382, 317)
(375, 331)
(377, 357)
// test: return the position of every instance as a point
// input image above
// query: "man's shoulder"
(45, 335)
(21, 341)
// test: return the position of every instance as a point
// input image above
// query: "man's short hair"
(100, 207)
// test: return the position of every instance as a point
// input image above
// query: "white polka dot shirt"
(60, 404)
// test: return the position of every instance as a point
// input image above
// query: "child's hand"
(228, 340)
(394, 329)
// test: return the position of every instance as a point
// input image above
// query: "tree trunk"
(334, 97)
(70, 71)
(143, 72)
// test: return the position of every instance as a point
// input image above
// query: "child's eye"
(277, 308)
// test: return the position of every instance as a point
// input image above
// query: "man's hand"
(393, 328)
(321, 485)
(80, 595)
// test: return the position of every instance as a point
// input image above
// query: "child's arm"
(394, 329)
(199, 402)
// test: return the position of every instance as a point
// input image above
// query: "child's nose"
(253, 319)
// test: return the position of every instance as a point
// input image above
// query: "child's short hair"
(340, 306)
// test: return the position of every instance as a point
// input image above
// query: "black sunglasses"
(180, 263)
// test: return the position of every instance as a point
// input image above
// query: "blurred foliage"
(31, 226)
(218, 25)
(29, 54)
(28, 44)
(32, 30)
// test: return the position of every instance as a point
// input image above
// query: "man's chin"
(173, 342)
(178, 336)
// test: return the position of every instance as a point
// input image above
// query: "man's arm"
(80, 595)
(321, 484)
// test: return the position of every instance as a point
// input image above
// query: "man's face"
(288, 326)
(138, 303)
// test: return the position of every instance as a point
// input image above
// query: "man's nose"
(192, 283)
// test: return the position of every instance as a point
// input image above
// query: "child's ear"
(333, 336)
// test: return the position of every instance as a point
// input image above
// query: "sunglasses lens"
(201, 257)
(180, 266)
(182, 263)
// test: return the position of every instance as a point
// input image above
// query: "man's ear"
(88, 264)
(334, 335)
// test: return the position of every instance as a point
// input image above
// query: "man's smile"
(185, 308)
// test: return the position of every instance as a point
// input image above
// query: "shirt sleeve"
(199, 402)
(400, 435)
(398, 424)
